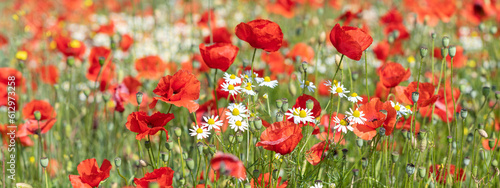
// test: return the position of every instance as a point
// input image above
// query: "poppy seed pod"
(450, 139)
(70, 61)
(452, 51)
(139, 97)
(444, 51)
(182, 181)
(231, 138)
(310, 104)
(481, 27)
(390, 39)
(395, 156)
(446, 42)
(433, 35)
(164, 156)
(466, 161)
(483, 133)
(37, 115)
(276, 173)
(200, 147)
(344, 151)
(190, 163)
(279, 103)
(239, 137)
(305, 65)
(359, 142)
(381, 131)
(118, 162)
(364, 162)
(486, 91)
(178, 132)
(423, 51)
(258, 124)
(279, 116)
(491, 143)
(256, 173)
(493, 30)
(101, 61)
(410, 169)
(396, 34)
(403, 132)
(147, 144)
(422, 134)
(463, 113)
(414, 97)
(284, 107)
(422, 171)
(184, 155)
(169, 145)
(44, 162)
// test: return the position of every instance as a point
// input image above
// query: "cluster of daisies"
(244, 83)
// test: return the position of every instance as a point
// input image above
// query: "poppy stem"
(338, 67)
(40, 143)
(215, 92)
(366, 77)
(253, 57)
(46, 179)
(120, 174)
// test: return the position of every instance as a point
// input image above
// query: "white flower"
(212, 122)
(310, 85)
(339, 89)
(277, 156)
(266, 81)
(248, 89)
(400, 109)
(356, 116)
(233, 90)
(300, 115)
(246, 76)
(232, 79)
(354, 98)
(317, 185)
(200, 133)
(328, 83)
(238, 125)
(236, 112)
(342, 125)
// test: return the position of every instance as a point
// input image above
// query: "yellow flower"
(22, 55)
(411, 59)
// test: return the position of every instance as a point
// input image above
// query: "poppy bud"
(322, 37)
(491, 143)
(414, 97)
(154, 185)
(381, 131)
(452, 51)
(482, 154)
(410, 169)
(37, 115)
(292, 89)
(466, 161)
(279, 103)
(182, 181)
(138, 97)
(101, 61)
(423, 51)
(256, 173)
(231, 138)
(433, 35)
(493, 30)
(355, 172)
(148, 144)
(200, 147)
(446, 42)
(344, 151)
(70, 61)
(463, 113)
(483, 133)
(190, 163)
(395, 156)
(310, 104)
(258, 124)
(169, 145)
(44, 162)
(184, 155)
(450, 139)
(481, 27)
(279, 116)
(143, 163)
(106, 97)
(390, 39)
(86, 92)
(444, 51)
(359, 142)
(275, 173)
(305, 65)
(284, 107)
(422, 171)
(178, 132)
(239, 136)
(486, 91)
(164, 156)
(118, 162)
(494, 163)
(364, 162)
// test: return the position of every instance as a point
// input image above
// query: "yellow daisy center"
(199, 130)
(75, 44)
(356, 113)
(397, 107)
(408, 106)
(354, 95)
(230, 87)
(237, 123)
(22, 55)
(302, 114)
(232, 76)
(343, 122)
(267, 79)
(338, 90)
(211, 121)
(307, 83)
(236, 112)
(249, 86)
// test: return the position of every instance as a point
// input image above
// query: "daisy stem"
(268, 107)
(366, 76)
(150, 153)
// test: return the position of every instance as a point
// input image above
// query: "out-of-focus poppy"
(302, 103)
(108, 29)
(150, 67)
(263, 182)
(431, 11)
(47, 118)
(444, 105)
(204, 19)
(219, 55)
(392, 16)
(98, 54)
(377, 114)
(3, 40)
(281, 137)
(405, 124)
(476, 11)
(261, 34)
(302, 51)
(232, 165)
(350, 41)
(384, 50)
(143, 125)
(181, 90)
(163, 176)
(49, 74)
(348, 16)
(315, 154)
(69, 47)
(332, 134)
(281, 7)
(8, 131)
(391, 74)
(381, 91)
(276, 62)
(90, 175)
(11, 75)
(323, 89)
(441, 173)
(459, 60)
(220, 35)
(486, 144)
(126, 42)
(425, 90)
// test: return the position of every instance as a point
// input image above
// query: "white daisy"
(236, 112)
(232, 89)
(232, 79)
(400, 109)
(200, 133)
(342, 125)
(300, 115)
(266, 81)
(339, 89)
(212, 122)
(328, 83)
(248, 89)
(356, 116)
(238, 125)
(354, 98)
(310, 85)
(317, 185)
(246, 76)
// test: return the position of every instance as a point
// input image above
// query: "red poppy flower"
(315, 154)
(486, 144)
(90, 175)
(232, 165)
(49, 74)
(442, 173)
(391, 74)
(303, 51)
(47, 118)
(262, 34)
(405, 124)
(281, 137)
(163, 176)
(426, 94)
(276, 62)
(107, 72)
(6, 72)
(220, 35)
(323, 89)
(348, 16)
(219, 55)
(381, 91)
(69, 47)
(350, 41)
(431, 11)
(302, 100)
(332, 134)
(203, 22)
(443, 105)
(401, 28)
(108, 29)
(3, 41)
(6, 131)
(143, 125)
(150, 67)
(377, 114)
(284, 8)
(392, 16)
(126, 42)
(384, 50)
(263, 182)
(181, 90)
(476, 11)
(459, 61)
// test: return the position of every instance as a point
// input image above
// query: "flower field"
(249, 93)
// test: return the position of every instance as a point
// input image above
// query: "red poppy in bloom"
(90, 175)
(281, 137)
(432, 11)
(348, 16)
(47, 118)
(302, 103)
(405, 124)
(3, 41)
(108, 29)
(163, 176)
(232, 165)
(107, 72)
(302, 51)
(443, 106)
(262, 34)
(7, 133)
(425, 90)
(219, 55)
(350, 41)
(276, 62)
(315, 154)
(263, 182)
(49, 74)
(377, 114)
(392, 16)
(281, 7)
(150, 67)
(476, 11)
(203, 22)
(6, 72)
(143, 125)
(126, 42)
(69, 47)
(391, 74)
(442, 173)
(459, 61)
(384, 50)
(220, 35)
(381, 91)
(181, 90)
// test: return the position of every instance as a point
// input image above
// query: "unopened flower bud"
(422, 171)
(414, 97)
(491, 143)
(258, 124)
(494, 163)
(322, 37)
(256, 173)
(463, 113)
(486, 91)
(118, 162)
(481, 27)
(169, 145)
(410, 169)
(423, 51)
(466, 161)
(164, 156)
(231, 138)
(239, 137)
(102, 61)
(44, 162)
(139, 97)
(284, 107)
(483, 133)
(310, 104)
(359, 142)
(433, 35)
(446, 42)
(190, 163)
(70, 61)
(37, 115)
(143, 163)
(493, 30)
(452, 51)
(184, 155)
(178, 132)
